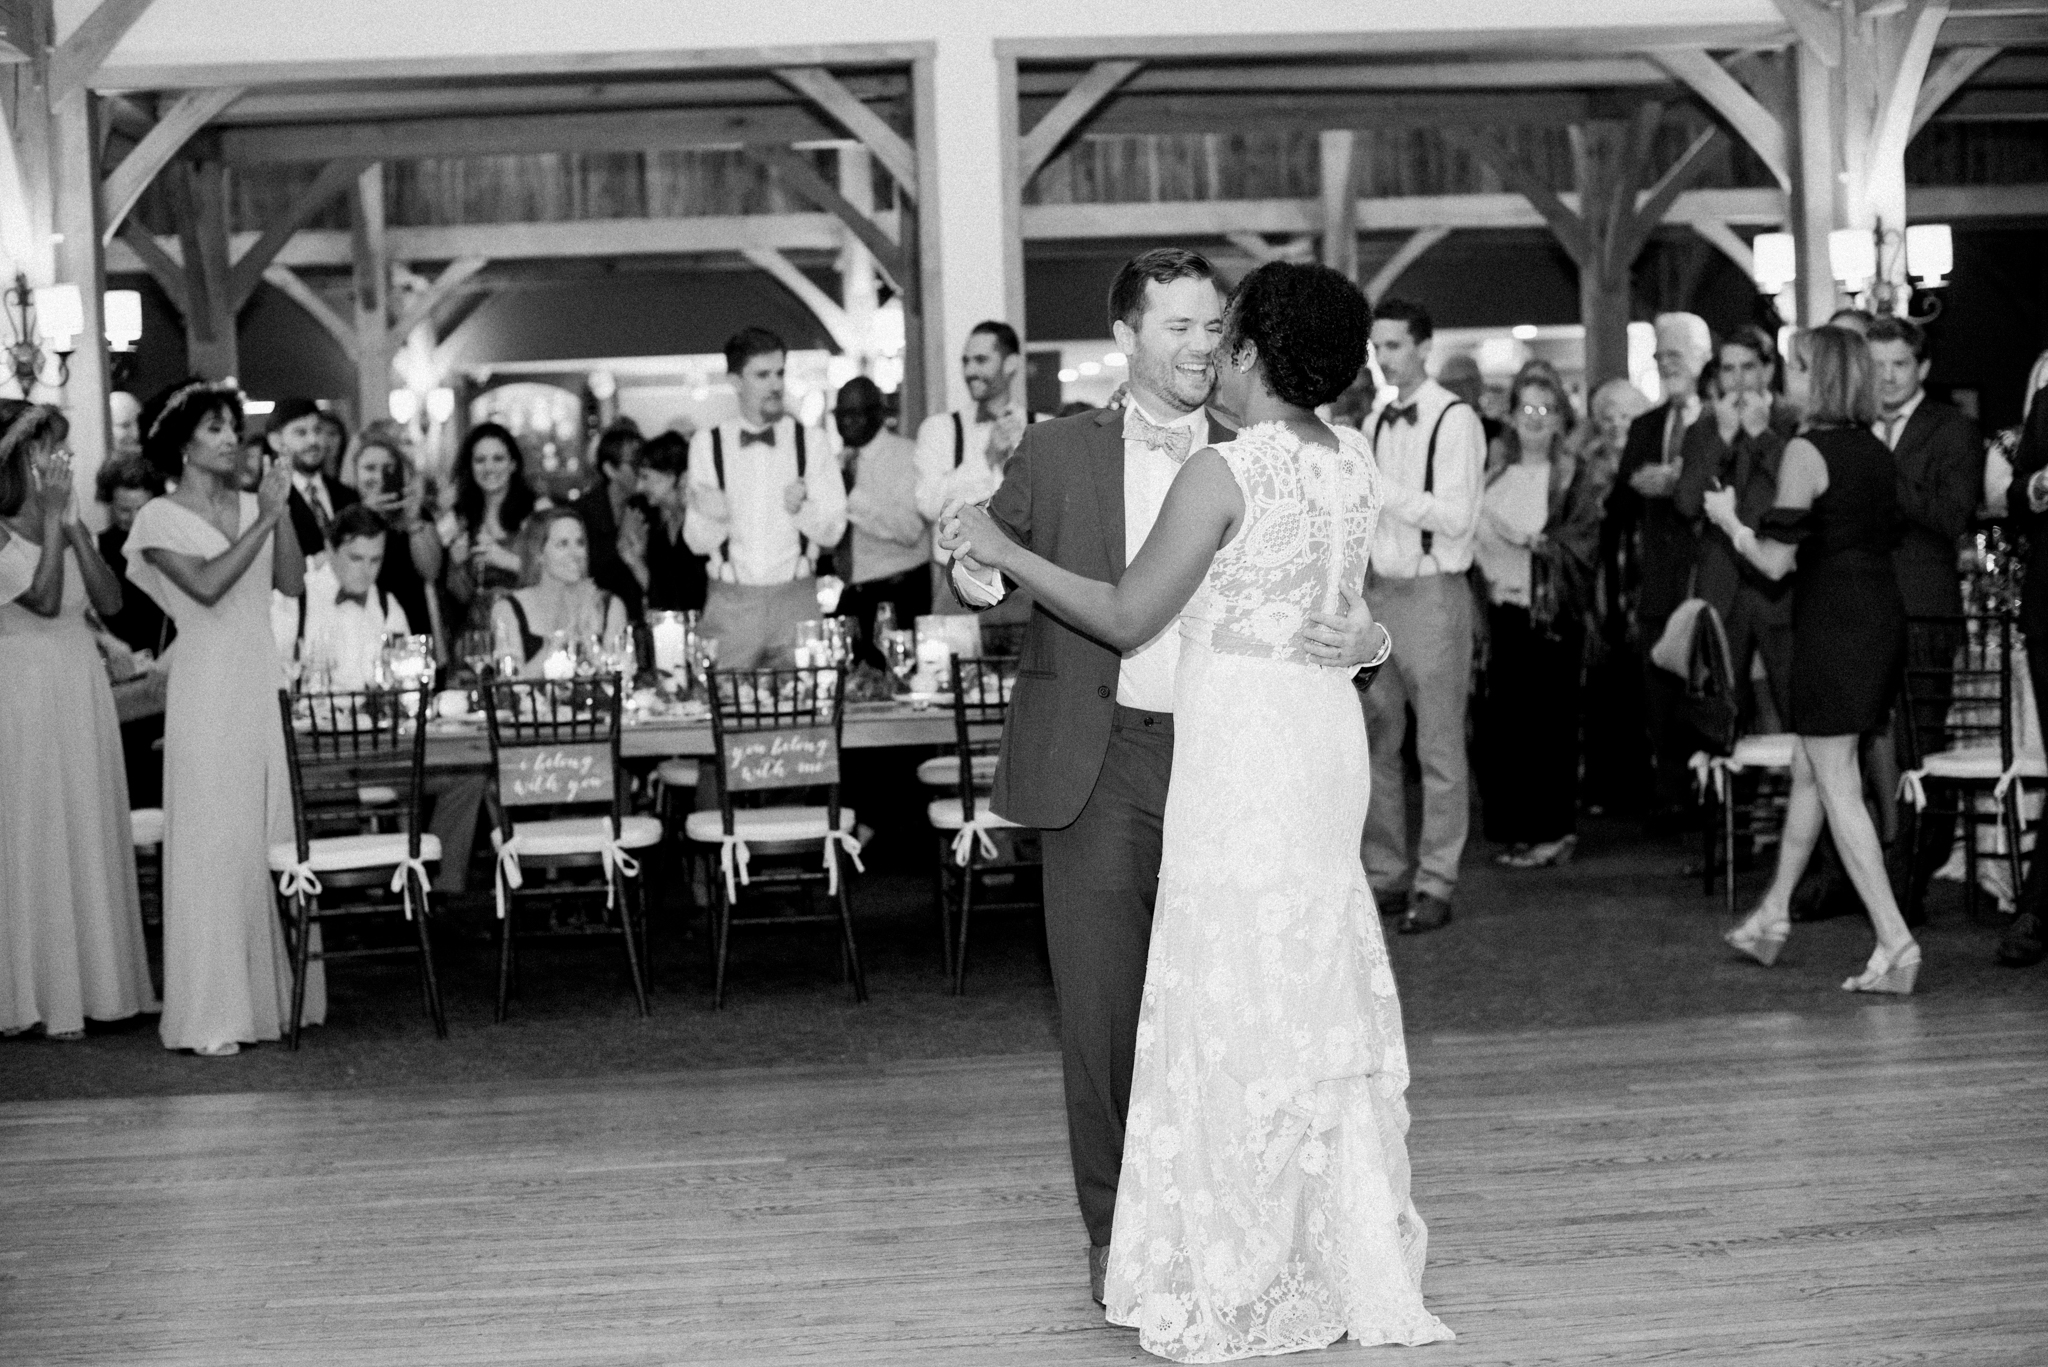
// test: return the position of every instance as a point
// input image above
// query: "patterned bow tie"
(765, 437)
(1177, 442)
(1399, 413)
(361, 600)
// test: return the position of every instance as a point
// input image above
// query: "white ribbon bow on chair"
(617, 864)
(846, 841)
(401, 882)
(508, 868)
(2006, 780)
(1913, 790)
(733, 858)
(978, 830)
(299, 880)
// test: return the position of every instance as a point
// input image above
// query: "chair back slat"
(555, 743)
(338, 742)
(1958, 685)
(776, 730)
(981, 700)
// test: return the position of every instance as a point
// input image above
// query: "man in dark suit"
(317, 497)
(1088, 747)
(1940, 462)
(1643, 516)
(2025, 941)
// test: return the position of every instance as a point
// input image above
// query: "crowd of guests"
(1530, 565)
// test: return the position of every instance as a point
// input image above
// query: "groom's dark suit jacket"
(1063, 498)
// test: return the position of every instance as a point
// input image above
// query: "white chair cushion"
(1983, 765)
(765, 825)
(334, 854)
(584, 834)
(149, 827)
(677, 773)
(1773, 751)
(943, 771)
(945, 815)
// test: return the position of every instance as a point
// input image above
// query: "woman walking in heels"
(1836, 518)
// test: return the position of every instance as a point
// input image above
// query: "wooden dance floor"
(1862, 1185)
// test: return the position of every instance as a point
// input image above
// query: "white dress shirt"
(890, 537)
(1145, 679)
(940, 483)
(747, 521)
(347, 635)
(1450, 511)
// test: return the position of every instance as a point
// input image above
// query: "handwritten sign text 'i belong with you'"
(794, 758)
(556, 773)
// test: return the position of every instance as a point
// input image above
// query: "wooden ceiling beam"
(123, 186)
(420, 308)
(829, 95)
(518, 135)
(1067, 115)
(445, 98)
(1757, 126)
(250, 265)
(797, 175)
(1946, 77)
(79, 57)
(1255, 78)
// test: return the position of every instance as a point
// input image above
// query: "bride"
(1263, 1206)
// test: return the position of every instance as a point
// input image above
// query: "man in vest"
(961, 454)
(766, 500)
(1431, 449)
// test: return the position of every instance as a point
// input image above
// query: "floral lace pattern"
(1263, 1206)
(1299, 500)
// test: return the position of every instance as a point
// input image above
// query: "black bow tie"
(765, 437)
(1399, 413)
(361, 600)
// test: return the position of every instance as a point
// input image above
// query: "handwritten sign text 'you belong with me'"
(794, 758)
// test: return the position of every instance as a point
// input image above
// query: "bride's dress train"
(1263, 1206)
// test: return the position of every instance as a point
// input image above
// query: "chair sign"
(533, 775)
(794, 757)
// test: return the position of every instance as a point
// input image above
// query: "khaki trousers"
(755, 624)
(1430, 619)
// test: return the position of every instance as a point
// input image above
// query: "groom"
(1089, 745)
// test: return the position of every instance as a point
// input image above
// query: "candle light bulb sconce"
(30, 360)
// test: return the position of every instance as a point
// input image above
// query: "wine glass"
(704, 658)
(899, 652)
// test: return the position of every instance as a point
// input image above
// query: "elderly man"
(1644, 514)
(124, 435)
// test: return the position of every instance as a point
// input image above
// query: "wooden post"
(1009, 131)
(199, 192)
(924, 337)
(1340, 202)
(372, 295)
(74, 154)
(858, 293)
(1816, 185)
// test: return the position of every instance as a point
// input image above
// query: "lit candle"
(560, 665)
(671, 642)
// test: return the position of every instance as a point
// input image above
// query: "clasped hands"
(1719, 504)
(1341, 639)
(1742, 410)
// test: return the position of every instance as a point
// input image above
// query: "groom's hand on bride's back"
(1342, 639)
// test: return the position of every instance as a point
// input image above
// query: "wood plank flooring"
(1778, 1190)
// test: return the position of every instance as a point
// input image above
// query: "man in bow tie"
(1431, 448)
(766, 501)
(344, 617)
(1088, 745)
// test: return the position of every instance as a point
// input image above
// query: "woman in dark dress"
(492, 502)
(670, 575)
(1837, 519)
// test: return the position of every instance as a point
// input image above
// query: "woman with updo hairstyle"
(71, 945)
(380, 469)
(1272, 1164)
(210, 554)
(492, 502)
(557, 596)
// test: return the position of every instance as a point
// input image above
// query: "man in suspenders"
(1431, 450)
(961, 454)
(766, 500)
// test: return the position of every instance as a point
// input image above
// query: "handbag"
(1673, 650)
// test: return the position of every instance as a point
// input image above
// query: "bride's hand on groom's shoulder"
(1342, 639)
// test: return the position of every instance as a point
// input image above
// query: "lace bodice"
(1310, 513)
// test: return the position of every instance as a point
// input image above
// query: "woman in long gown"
(210, 555)
(1263, 1206)
(71, 945)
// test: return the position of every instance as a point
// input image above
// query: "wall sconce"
(440, 404)
(1868, 263)
(46, 321)
(1930, 254)
(1774, 262)
(122, 314)
(405, 406)
(1852, 258)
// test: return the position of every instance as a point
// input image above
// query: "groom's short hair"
(1161, 265)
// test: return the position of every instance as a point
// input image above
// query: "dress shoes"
(2025, 942)
(1426, 912)
(1098, 1272)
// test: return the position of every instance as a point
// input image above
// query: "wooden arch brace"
(828, 310)
(831, 96)
(1729, 98)
(798, 175)
(124, 184)
(1406, 255)
(1945, 78)
(1036, 148)
(75, 59)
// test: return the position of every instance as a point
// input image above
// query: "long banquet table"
(867, 726)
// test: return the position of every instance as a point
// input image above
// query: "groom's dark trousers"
(1092, 776)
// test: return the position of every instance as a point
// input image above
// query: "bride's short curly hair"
(1310, 325)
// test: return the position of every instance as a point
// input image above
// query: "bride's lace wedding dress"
(1263, 1206)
